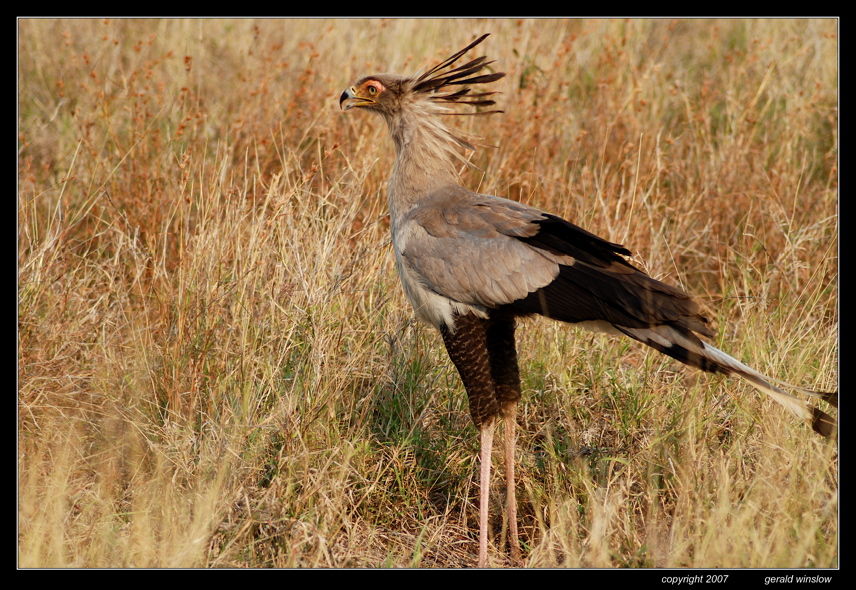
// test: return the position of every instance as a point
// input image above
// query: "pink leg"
(510, 490)
(484, 488)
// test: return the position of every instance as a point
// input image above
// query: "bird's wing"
(464, 246)
(488, 251)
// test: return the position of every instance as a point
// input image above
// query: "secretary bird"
(471, 263)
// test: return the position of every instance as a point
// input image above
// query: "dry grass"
(216, 364)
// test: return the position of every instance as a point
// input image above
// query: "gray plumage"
(470, 263)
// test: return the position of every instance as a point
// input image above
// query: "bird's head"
(380, 93)
(390, 94)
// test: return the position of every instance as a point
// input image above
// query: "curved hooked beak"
(351, 99)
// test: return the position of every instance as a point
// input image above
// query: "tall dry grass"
(216, 367)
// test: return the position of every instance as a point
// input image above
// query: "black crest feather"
(440, 78)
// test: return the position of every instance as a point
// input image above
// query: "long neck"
(425, 155)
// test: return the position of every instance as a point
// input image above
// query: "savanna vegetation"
(217, 366)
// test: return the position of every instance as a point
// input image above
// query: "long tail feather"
(688, 348)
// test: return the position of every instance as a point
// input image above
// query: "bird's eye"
(372, 89)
